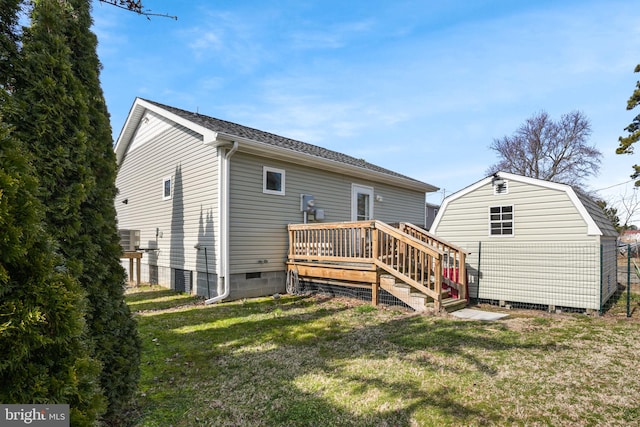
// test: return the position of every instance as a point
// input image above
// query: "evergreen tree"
(8, 40)
(58, 111)
(109, 319)
(50, 115)
(611, 213)
(627, 142)
(45, 358)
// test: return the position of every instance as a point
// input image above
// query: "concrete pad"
(468, 313)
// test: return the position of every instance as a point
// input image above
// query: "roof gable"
(594, 217)
(217, 132)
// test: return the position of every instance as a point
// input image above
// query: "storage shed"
(532, 242)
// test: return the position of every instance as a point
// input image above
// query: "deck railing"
(331, 242)
(453, 263)
(413, 255)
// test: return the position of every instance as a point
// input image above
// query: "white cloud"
(204, 42)
(331, 37)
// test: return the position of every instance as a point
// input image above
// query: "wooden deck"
(408, 262)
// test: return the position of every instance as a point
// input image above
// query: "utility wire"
(615, 185)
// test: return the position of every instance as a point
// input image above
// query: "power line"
(615, 185)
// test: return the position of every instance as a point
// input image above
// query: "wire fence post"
(628, 280)
(601, 277)
(478, 275)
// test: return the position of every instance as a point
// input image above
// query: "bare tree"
(553, 151)
(136, 6)
(628, 207)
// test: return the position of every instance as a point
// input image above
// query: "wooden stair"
(451, 304)
(417, 300)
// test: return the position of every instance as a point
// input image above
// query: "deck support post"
(374, 294)
(137, 256)
(462, 276)
(437, 303)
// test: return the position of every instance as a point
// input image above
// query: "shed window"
(166, 188)
(501, 221)
(272, 180)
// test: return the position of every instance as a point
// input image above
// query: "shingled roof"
(229, 128)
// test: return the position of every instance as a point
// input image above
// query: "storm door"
(361, 210)
(361, 203)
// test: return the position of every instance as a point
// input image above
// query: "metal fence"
(550, 276)
(626, 302)
(356, 292)
(568, 277)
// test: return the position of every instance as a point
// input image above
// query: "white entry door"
(361, 202)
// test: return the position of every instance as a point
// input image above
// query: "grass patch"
(314, 361)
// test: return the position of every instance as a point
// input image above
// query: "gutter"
(223, 192)
(288, 154)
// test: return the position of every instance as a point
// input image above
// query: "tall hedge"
(58, 111)
(45, 357)
(63, 319)
(109, 319)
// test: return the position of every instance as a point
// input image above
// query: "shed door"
(361, 202)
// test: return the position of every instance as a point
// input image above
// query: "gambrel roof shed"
(593, 216)
(532, 242)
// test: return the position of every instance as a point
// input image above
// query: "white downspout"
(224, 186)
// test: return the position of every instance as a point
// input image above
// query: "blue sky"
(418, 87)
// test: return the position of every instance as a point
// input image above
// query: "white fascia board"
(266, 150)
(451, 198)
(592, 228)
(139, 108)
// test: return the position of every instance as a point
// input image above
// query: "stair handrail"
(431, 262)
(447, 247)
(428, 237)
(419, 254)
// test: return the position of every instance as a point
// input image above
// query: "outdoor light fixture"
(125, 201)
(497, 181)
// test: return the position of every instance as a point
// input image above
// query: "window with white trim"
(501, 220)
(272, 180)
(166, 188)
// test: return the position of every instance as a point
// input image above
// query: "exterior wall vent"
(182, 280)
(500, 187)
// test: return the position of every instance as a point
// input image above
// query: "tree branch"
(136, 6)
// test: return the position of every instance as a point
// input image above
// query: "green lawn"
(315, 361)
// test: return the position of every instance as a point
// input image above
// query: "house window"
(501, 221)
(166, 188)
(272, 181)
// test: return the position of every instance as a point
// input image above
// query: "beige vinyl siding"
(540, 214)
(258, 221)
(190, 216)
